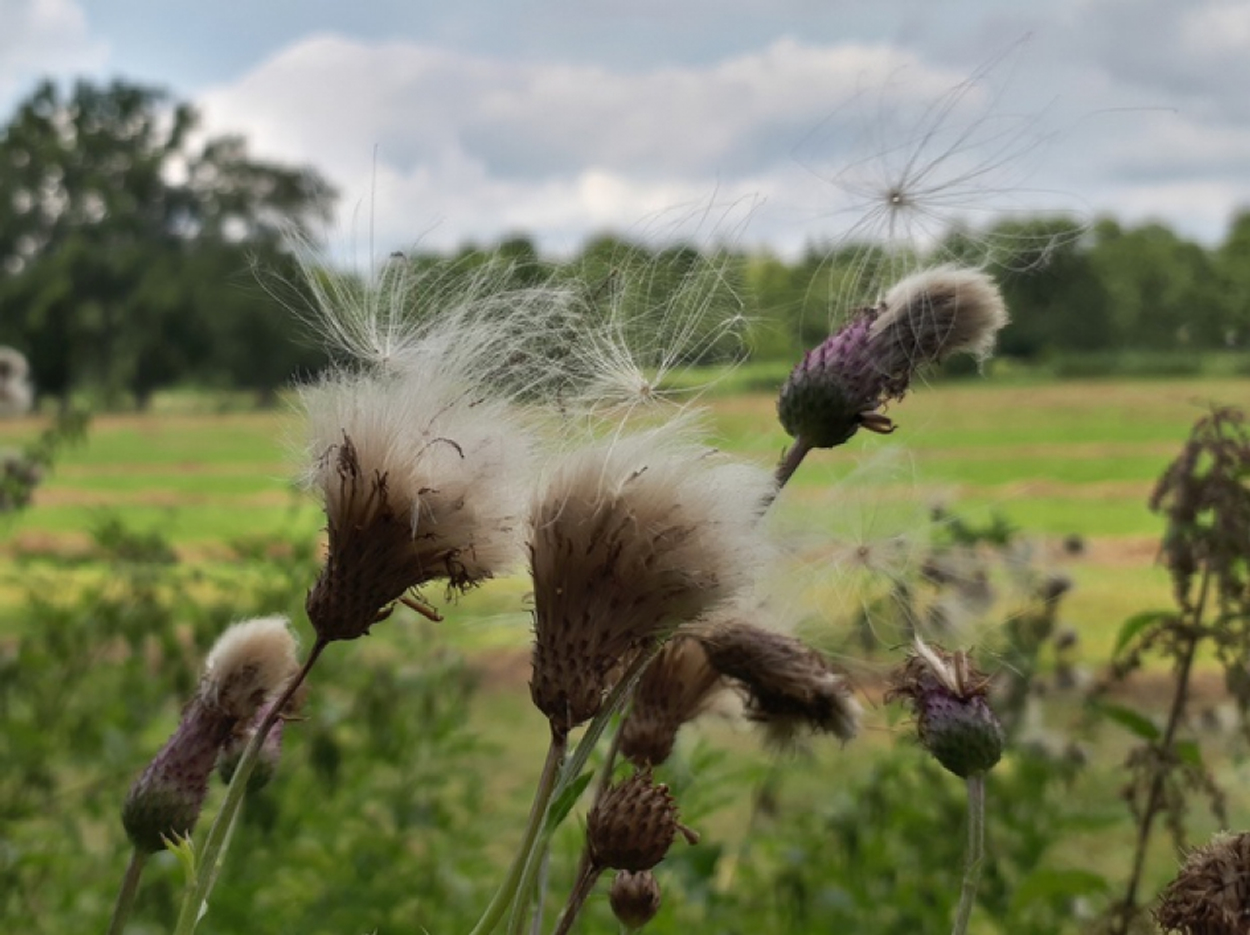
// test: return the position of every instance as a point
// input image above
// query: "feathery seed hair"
(788, 686)
(629, 539)
(249, 662)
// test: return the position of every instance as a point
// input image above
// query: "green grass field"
(1052, 458)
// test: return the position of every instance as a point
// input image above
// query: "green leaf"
(1048, 884)
(564, 803)
(1189, 753)
(184, 850)
(1135, 723)
(1135, 624)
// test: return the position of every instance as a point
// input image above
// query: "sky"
(777, 124)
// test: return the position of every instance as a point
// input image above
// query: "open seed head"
(629, 539)
(421, 480)
(787, 685)
(1211, 894)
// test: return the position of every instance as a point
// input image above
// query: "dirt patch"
(160, 498)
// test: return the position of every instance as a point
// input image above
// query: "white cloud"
(472, 147)
(44, 37)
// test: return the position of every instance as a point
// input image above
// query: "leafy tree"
(110, 200)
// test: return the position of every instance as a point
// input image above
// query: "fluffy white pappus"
(648, 323)
(249, 662)
(630, 539)
(935, 313)
(455, 464)
(471, 323)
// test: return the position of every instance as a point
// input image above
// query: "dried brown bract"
(788, 685)
(632, 825)
(1211, 895)
(676, 687)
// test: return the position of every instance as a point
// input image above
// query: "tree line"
(134, 254)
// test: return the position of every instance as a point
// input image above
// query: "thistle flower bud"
(787, 684)
(635, 898)
(630, 540)
(249, 662)
(955, 722)
(840, 385)
(632, 825)
(1211, 894)
(674, 689)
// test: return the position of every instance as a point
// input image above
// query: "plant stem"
(1183, 670)
(790, 462)
(976, 852)
(129, 889)
(573, 766)
(587, 875)
(209, 859)
(507, 891)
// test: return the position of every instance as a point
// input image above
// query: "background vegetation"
(128, 250)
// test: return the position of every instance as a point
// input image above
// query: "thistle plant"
(843, 384)
(247, 668)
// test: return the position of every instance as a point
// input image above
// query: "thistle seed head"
(629, 540)
(788, 686)
(635, 898)
(632, 825)
(1211, 894)
(419, 482)
(676, 687)
(927, 317)
(954, 720)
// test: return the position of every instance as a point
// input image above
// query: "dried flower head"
(632, 825)
(250, 663)
(1211, 894)
(948, 697)
(420, 482)
(1205, 495)
(788, 686)
(271, 750)
(635, 898)
(675, 688)
(630, 539)
(841, 385)
(16, 395)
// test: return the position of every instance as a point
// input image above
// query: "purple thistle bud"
(166, 799)
(954, 721)
(840, 385)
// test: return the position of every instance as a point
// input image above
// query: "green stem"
(209, 860)
(587, 875)
(507, 891)
(573, 766)
(129, 889)
(976, 852)
(790, 462)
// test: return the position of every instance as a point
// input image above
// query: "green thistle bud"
(954, 721)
